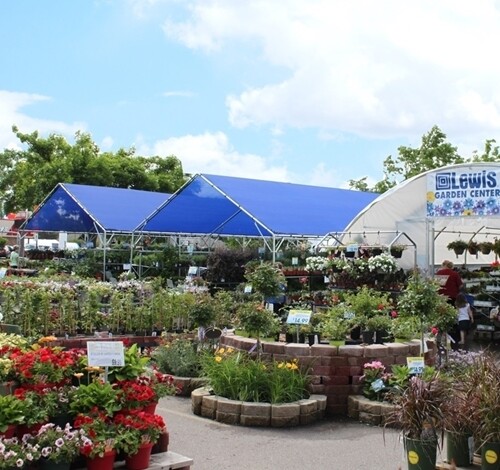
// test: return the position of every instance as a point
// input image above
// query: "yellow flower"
(218, 358)
(230, 350)
(431, 197)
(467, 212)
(280, 365)
(78, 375)
(289, 365)
(221, 351)
(294, 367)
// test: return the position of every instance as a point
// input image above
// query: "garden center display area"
(325, 312)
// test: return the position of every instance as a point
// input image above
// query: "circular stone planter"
(369, 411)
(297, 413)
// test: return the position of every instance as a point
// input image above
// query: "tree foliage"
(434, 152)
(27, 176)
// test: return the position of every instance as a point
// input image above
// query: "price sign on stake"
(105, 353)
(299, 317)
(415, 364)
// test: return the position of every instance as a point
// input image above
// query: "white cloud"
(212, 153)
(107, 143)
(11, 104)
(184, 94)
(377, 69)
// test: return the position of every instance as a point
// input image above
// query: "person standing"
(465, 317)
(450, 281)
(14, 258)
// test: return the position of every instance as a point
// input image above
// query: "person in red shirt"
(449, 280)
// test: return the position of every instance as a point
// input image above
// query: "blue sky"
(307, 91)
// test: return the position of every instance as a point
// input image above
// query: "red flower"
(394, 314)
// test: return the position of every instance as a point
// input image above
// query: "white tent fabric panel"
(404, 209)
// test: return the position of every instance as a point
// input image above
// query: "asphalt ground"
(331, 444)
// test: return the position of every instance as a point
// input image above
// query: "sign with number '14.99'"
(299, 317)
(105, 353)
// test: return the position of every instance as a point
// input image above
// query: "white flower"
(382, 263)
(316, 263)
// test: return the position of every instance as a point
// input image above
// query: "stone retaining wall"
(245, 413)
(368, 411)
(336, 370)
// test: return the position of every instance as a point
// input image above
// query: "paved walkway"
(332, 444)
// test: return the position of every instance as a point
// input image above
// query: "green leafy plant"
(11, 411)
(237, 376)
(98, 395)
(178, 357)
(256, 320)
(135, 365)
(266, 279)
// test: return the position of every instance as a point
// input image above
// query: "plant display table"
(163, 461)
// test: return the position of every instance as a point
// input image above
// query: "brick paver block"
(307, 406)
(273, 348)
(285, 422)
(376, 351)
(317, 389)
(324, 350)
(197, 398)
(260, 410)
(209, 402)
(351, 350)
(225, 405)
(369, 406)
(285, 410)
(294, 349)
(255, 420)
(320, 401)
(227, 418)
(398, 349)
(368, 418)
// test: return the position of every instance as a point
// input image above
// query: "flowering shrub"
(59, 444)
(383, 263)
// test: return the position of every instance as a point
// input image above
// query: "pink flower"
(394, 314)
(434, 330)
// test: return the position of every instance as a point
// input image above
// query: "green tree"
(434, 152)
(27, 176)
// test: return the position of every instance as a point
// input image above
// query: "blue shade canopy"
(225, 205)
(87, 209)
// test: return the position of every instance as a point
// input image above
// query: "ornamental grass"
(236, 375)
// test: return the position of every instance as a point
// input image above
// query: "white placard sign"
(105, 353)
(299, 317)
(415, 364)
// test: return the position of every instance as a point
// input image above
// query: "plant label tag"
(248, 289)
(299, 317)
(415, 364)
(377, 385)
(105, 353)
(349, 315)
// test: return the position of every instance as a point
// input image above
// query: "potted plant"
(397, 250)
(485, 247)
(483, 379)
(11, 414)
(137, 433)
(100, 440)
(473, 247)
(379, 324)
(418, 413)
(18, 453)
(458, 246)
(58, 446)
(96, 395)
